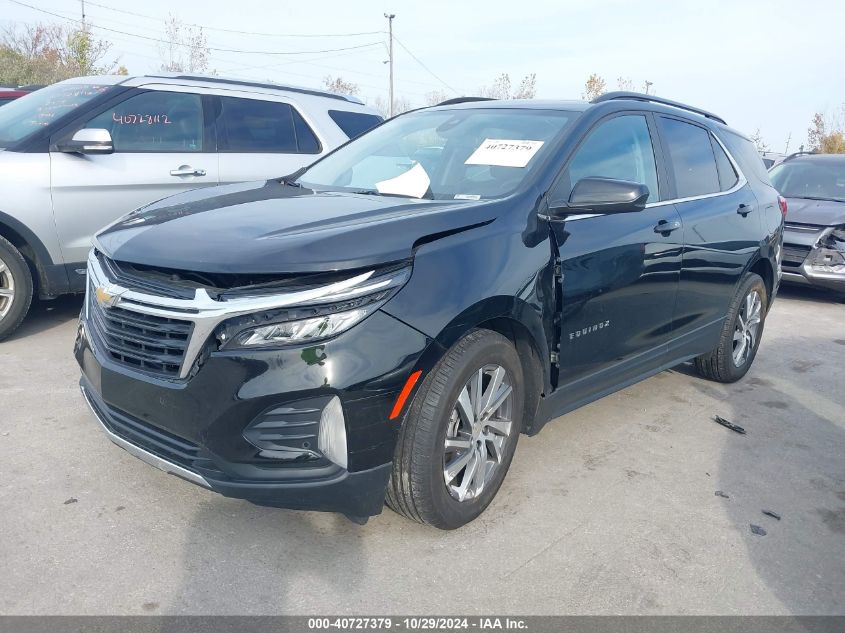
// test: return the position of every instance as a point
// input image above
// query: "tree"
(435, 96)
(340, 85)
(185, 49)
(400, 105)
(758, 141)
(501, 88)
(826, 133)
(595, 86)
(47, 53)
(625, 83)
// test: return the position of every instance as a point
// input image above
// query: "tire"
(14, 277)
(721, 364)
(418, 488)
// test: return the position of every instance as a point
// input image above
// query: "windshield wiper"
(376, 192)
(290, 179)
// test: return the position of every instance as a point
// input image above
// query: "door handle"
(744, 209)
(187, 170)
(667, 226)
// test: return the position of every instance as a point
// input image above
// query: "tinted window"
(154, 122)
(354, 123)
(691, 158)
(38, 109)
(250, 125)
(727, 174)
(619, 148)
(810, 179)
(306, 141)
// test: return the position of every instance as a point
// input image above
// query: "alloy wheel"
(747, 326)
(479, 428)
(7, 289)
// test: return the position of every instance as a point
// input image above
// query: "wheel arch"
(763, 267)
(36, 256)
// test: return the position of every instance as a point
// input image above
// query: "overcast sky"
(759, 64)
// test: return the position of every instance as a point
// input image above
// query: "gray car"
(77, 155)
(814, 233)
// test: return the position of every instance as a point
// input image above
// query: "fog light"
(332, 439)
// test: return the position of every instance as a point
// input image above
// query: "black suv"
(385, 324)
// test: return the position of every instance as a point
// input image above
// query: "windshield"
(31, 113)
(457, 154)
(810, 179)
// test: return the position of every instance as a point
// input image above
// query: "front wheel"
(741, 334)
(459, 434)
(15, 288)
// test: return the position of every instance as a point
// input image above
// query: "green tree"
(826, 133)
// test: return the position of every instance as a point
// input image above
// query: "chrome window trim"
(206, 314)
(740, 183)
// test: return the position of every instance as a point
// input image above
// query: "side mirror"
(88, 141)
(603, 195)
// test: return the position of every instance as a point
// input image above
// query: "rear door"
(262, 137)
(722, 225)
(161, 147)
(620, 271)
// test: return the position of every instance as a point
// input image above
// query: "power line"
(427, 69)
(211, 48)
(221, 30)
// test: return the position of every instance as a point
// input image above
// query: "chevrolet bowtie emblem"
(109, 296)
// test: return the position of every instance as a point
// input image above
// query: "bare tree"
(185, 49)
(340, 85)
(501, 88)
(400, 105)
(758, 141)
(435, 96)
(625, 83)
(46, 53)
(595, 86)
(826, 133)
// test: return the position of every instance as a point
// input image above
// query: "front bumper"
(195, 428)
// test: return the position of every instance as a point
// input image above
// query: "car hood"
(268, 227)
(821, 212)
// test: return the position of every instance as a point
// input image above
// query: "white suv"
(77, 155)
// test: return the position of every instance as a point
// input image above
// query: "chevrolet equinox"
(384, 324)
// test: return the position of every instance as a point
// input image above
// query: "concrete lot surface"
(611, 509)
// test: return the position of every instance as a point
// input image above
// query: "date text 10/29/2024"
(418, 623)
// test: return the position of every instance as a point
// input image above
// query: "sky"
(767, 65)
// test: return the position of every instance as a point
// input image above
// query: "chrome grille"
(141, 341)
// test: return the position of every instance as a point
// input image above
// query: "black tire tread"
(12, 320)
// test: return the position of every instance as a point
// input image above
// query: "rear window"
(255, 126)
(354, 124)
(691, 158)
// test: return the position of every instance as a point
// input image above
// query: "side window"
(154, 121)
(255, 126)
(691, 158)
(619, 148)
(727, 174)
(354, 124)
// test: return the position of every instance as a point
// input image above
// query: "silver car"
(77, 155)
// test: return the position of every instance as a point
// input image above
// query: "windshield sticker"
(414, 182)
(467, 196)
(504, 152)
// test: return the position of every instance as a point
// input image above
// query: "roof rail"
(261, 84)
(464, 100)
(794, 154)
(638, 96)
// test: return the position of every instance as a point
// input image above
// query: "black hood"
(268, 227)
(821, 212)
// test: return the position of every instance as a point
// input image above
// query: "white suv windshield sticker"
(504, 152)
(414, 182)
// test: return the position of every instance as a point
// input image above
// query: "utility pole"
(390, 17)
(788, 139)
(648, 84)
(83, 14)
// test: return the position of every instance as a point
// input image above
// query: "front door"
(159, 150)
(620, 271)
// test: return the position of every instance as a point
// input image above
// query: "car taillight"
(782, 205)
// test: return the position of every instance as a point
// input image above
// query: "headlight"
(329, 317)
